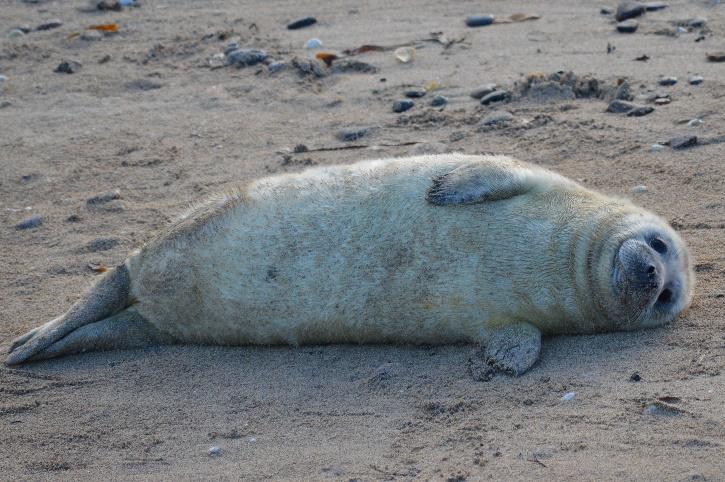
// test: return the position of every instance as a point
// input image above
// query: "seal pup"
(424, 250)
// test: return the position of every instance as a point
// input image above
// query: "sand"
(146, 115)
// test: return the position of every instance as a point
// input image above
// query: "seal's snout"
(641, 270)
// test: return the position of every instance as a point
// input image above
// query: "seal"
(421, 250)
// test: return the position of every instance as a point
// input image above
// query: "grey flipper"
(481, 181)
(105, 298)
(514, 348)
(127, 329)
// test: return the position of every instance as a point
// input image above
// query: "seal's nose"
(641, 268)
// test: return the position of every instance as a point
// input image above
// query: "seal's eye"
(658, 245)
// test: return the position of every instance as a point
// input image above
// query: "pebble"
(275, 67)
(697, 23)
(496, 96)
(662, 100)
(16, 33)
(5, 103)
(415, 93)
(654, 6)
(231, 47)
(104, 198)
(628, 26)
(497, 118)
(479, 20)
(716, 56)
(405, 54)
(214, 451)
(668, 81)
(618, 106)
(606, 10)
(352, 133)
(49, 25)
(301, 23)
(635, 377)
(483, 91)
(568, 397)
(639, 189)
(694, 123)
(656, 147)
(32, 222)
(438, 101)
(246, 57)
(313, 43)
(91, 36)
(640, 110)
(683, 142)
(402, 105)
(627, 10)
(68, 67)
(696, 80)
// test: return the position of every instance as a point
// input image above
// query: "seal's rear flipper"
(514, 348)
(127, 329)
(107, 297)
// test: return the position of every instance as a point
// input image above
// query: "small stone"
(91, 36)
(16, 33)
(483, 91)
(104, 198)
(415, 93)
(479, 20)
(621, 106)
(656, 147)
(313, 43)
(697, 23)
(276, 67)
(683, 142)
(716, 56)
(5, 103)
(623, 92)
(231, 47)
(627, 26)
(606, 10)
(402, 105)
(68, 67)
(438, 101)
(634, 377)
(639, 189)
(352, 134)
(32, 222)
(307, 67)
(654, 6)
(217, 60)
(404, 54)
(301, 23)
(694, 123)
(246, 57)
(496, 96)
(300, 148)
(640, 110)
(214, 451)
(696, 80)
(627, 10)
(667, 81)
(497, 118)
(662, 100)
(568, 397)
(49, 25)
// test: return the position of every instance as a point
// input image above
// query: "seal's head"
(651, 274)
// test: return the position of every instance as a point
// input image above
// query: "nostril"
(665, 296)
(651, 269)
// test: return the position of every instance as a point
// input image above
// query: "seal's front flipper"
(127, 329)
(487, 180)
(514, 348)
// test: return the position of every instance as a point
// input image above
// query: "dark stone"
(697, 23)
(402, 105)
(627, 10)
(635, 377)
(49, 25)
(479, 20)
(696, 80)
(497, 118)
(618, 106)
(654, 6)
(415, 93)
(68, 67)
(246, 57)
(628, 26)
(716, 56)
(640, 111)
(438, 101)
(32, 222)
(352, 134)
(682, 142)
(668, 81)
(496, 96)
(301, 23)
(299, 148)
(606, 10)
(483, 91)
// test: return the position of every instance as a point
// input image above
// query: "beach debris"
(662, 406)
(326, 57)
(301, 23)
(716, 56)
(667, 81)
(656, 147)
(15, 33)
(627, 10)
(97, 268)
(694, 123)
(214, 451)
(682, 142)
(627, 26)
(479, 20)
(415, 93)
(438, 101)
(441, 38)
(483, 90)
(662, 100)
(654, 6)
(307, 67)
(49, 25)
(497, 119)
(68, 67)
(635, 377)
(696, 80)
(568, 397)
(433, 85)
(642, 58)
(402, 105)
(105, 27)
(518, 17)
(313, 43)
(352, 133)
(246, 57)
(32, 222)
(365, 48)
(496, 96)
(696, 22)
(639, 189)
(104, 198)
(405, 54)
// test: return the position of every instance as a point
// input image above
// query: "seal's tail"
(89, 324)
